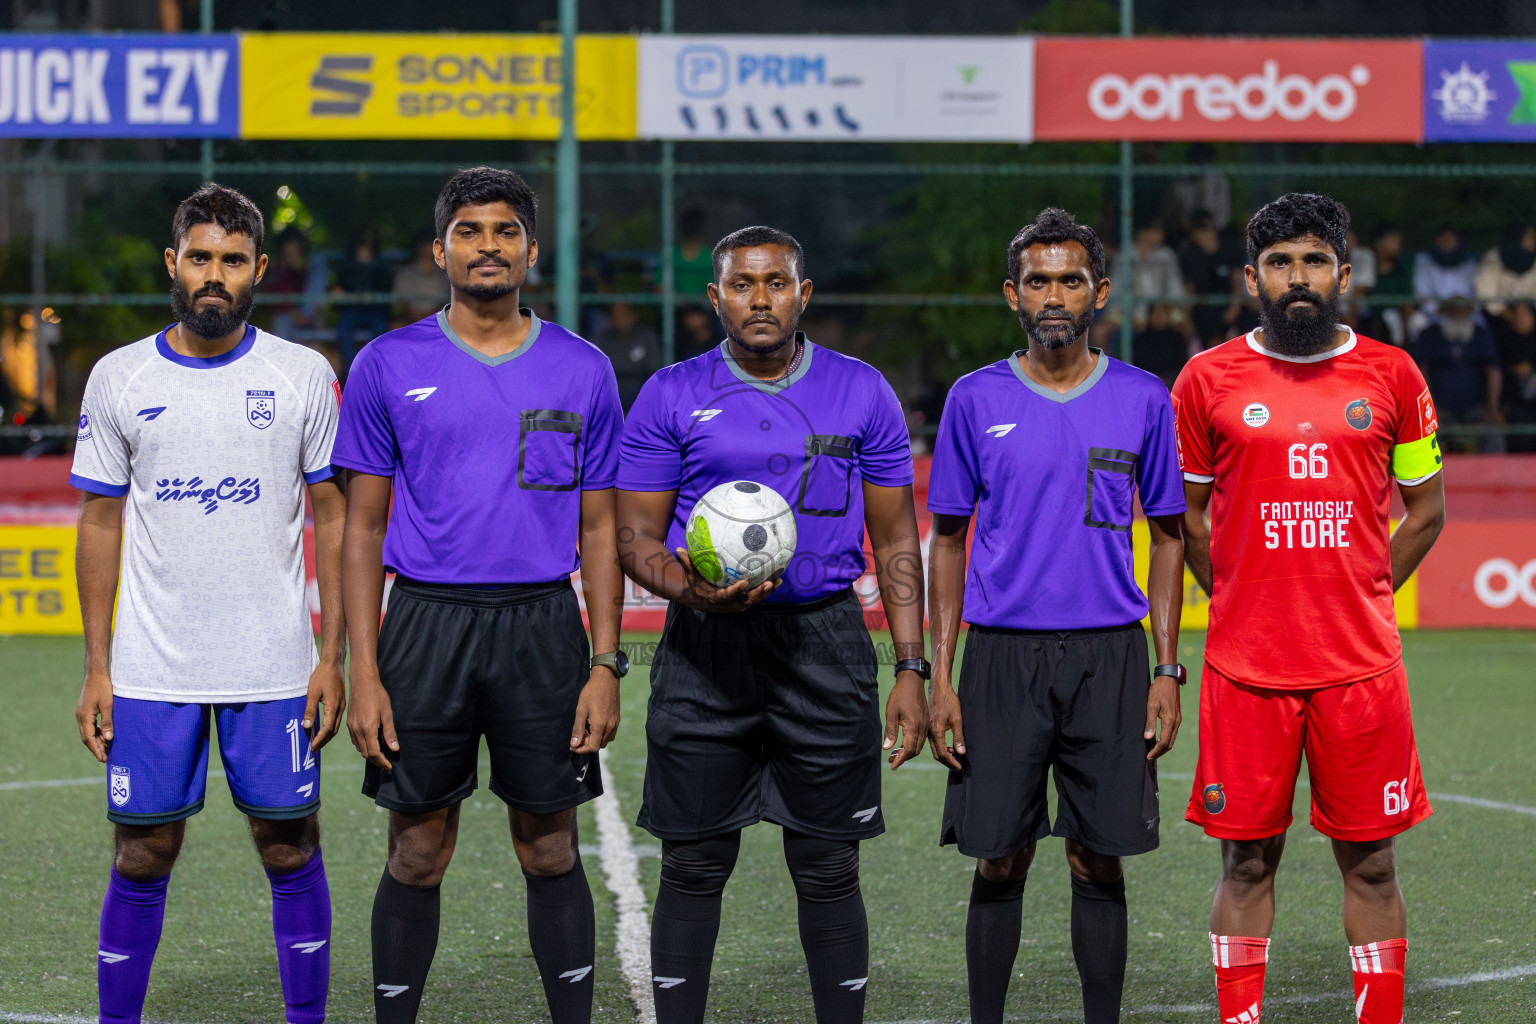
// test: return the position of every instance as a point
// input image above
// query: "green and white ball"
(741, 530)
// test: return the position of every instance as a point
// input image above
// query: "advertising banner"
(831, 88)
(1480, 91)
(1480, 574)
(1271, 90)
(102, 87)
(378, 86)
(37, 581)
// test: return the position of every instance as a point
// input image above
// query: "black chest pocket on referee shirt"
(826, 477)
(548, 450)
(1111, 476)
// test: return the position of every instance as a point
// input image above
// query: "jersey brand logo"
(1248, 1016)
(260, 408)
(705, 415)
(390, 991)
(119, 788)
(1358, 414)
(581, 776)
(308, 947)
(111, 958)
(667, 982)
(151, 413)
(1256, 414)
(420, 394)
(306, 789)
(1002, 429)
(853, 984)
(867, 814)
(577, 974)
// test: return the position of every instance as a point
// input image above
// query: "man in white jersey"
(210, 433)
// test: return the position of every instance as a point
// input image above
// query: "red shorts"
(1361, 758)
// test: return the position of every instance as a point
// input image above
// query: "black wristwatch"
(918, 665)
(1177, 671)
(615, 661)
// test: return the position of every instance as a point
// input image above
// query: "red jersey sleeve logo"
(1427, 422)
(336, 387)
(1178, 440)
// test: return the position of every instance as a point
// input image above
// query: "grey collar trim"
(533, 336)
(1061, 398)
(762, 385)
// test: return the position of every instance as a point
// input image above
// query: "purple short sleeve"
(600, 441)
(1158, 477)
(650, 457)
(885, 456)
(953, 478)
(365, 440)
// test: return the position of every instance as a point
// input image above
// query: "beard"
(765, 348)
(1055, 330)
(490, 291)
(1300, 331)
(213, 322)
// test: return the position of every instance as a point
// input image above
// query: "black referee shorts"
(1075, 701)
(506, 663)
(768, 715)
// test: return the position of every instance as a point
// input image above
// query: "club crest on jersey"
(1256, 414)
(119, 786)
(85, 427)
(260, 408)
(1215, 799)
(1358, 414)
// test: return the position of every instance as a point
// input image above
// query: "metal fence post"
(668, 223)
(1127, 237)
(568, 182)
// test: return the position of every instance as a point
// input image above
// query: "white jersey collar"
(1349, 345)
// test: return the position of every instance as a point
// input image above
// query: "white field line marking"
(632, 935)
(1428, 985)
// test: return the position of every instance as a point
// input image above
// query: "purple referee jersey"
(1050, 478)
(489, 455)
(816, 438)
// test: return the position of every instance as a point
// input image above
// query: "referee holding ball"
(764, 702)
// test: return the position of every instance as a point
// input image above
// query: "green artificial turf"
(1467, 873)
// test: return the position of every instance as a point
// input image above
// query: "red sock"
(1379, 981)
(1239, 977)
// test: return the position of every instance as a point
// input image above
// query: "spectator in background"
(1515, 335)
(1212, 265)
(1208, 192)
(1508, 271)
(697, 332)
(693, 265)
(634, 349)
(289, 275)
(1445, 271)
(1461, 362)
(1394, 282)
(1160, 348)
(1155, 275)
(421, 287)
(362, 271)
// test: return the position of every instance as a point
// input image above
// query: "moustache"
(212, 291)
(490, 261)
(1300, 295)
(763, 318)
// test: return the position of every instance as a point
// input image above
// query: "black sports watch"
(1177, 671)
(615, 661)
(918, 665)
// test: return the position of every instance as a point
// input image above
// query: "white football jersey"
(213, 456)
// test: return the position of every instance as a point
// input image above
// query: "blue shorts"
(157, 766)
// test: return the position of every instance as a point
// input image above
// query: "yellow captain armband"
(1416, 461)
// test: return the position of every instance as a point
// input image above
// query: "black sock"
(686, 923)
(992, 927)
(834, 931)
(563, 934)
(405, 920)
(1098, 944)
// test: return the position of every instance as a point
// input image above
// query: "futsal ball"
(741, 530)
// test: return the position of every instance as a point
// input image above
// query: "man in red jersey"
(1292, 436)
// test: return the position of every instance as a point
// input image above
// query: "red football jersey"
(1302, 452)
